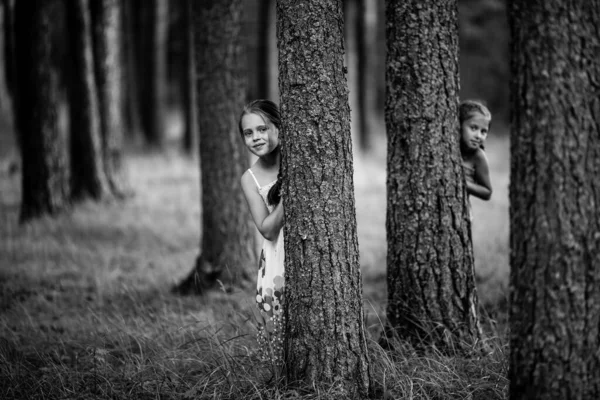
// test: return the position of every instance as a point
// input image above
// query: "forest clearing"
(87, 308)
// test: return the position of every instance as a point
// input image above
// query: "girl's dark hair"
(467, 108)
(265, 108)
(274, 195)
(269, 111)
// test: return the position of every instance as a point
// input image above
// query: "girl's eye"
(262, 129)
(247, 133)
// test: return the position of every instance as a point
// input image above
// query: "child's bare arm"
(481, 187)
(268, 225)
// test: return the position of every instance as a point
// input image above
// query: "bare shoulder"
(247, 180)
(479, 157)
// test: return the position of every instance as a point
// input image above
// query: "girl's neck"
(271, 160)
(465, 151)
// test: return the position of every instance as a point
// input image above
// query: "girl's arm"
(268, 225)
(481, 187)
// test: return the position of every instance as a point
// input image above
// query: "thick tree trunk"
(325, 340)
(108, 46)
(87, 165)
(227, 248)
(431, 286)
(554, 198)
(43, 148)
(188, 87)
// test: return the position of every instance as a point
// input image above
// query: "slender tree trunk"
(131, 81)
(227, 249)
(87, 165)
(155, 68)
(431, 286)
(190, 136)
(325, 340)
(43, 149)
(554, 199)
(356, 56)
(108, 46)
(9, 44)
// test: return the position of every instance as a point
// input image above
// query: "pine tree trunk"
(554, 198)
(325, 340)
(43, 148)
(87, 166)
(431, 287)
(108, 46)
(227, 248)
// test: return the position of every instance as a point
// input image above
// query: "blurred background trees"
(153, 40)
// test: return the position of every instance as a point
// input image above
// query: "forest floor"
(86, 308)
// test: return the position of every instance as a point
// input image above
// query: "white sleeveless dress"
(270, 290)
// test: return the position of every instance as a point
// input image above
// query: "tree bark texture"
(43, 147)
(227, 247)
(324, 332)
(109, 61)
(555, 200)
(87, 166)
(431, 288)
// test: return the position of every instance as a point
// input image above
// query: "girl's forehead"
(479, 118)
(253, 119)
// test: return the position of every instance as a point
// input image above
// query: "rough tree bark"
(227, 250)
(431, 287)
(42, 145)
(87, 165)
(108, 50)
(324, 336)
(555, 200)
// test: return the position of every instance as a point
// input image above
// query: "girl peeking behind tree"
(475, 119)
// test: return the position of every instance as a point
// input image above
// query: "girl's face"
(260, 135)
(474, 131)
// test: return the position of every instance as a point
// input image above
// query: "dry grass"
(87, 312)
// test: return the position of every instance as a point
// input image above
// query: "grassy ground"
(86, 309)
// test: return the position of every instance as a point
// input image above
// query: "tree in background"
(8, 49)
(227, 251)
(430, 277)
(108, 68)
(131, 78)
(154, 71)
(87, 174)
(554, 195)
(325, 340)
(42, 145)
(188, 87)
